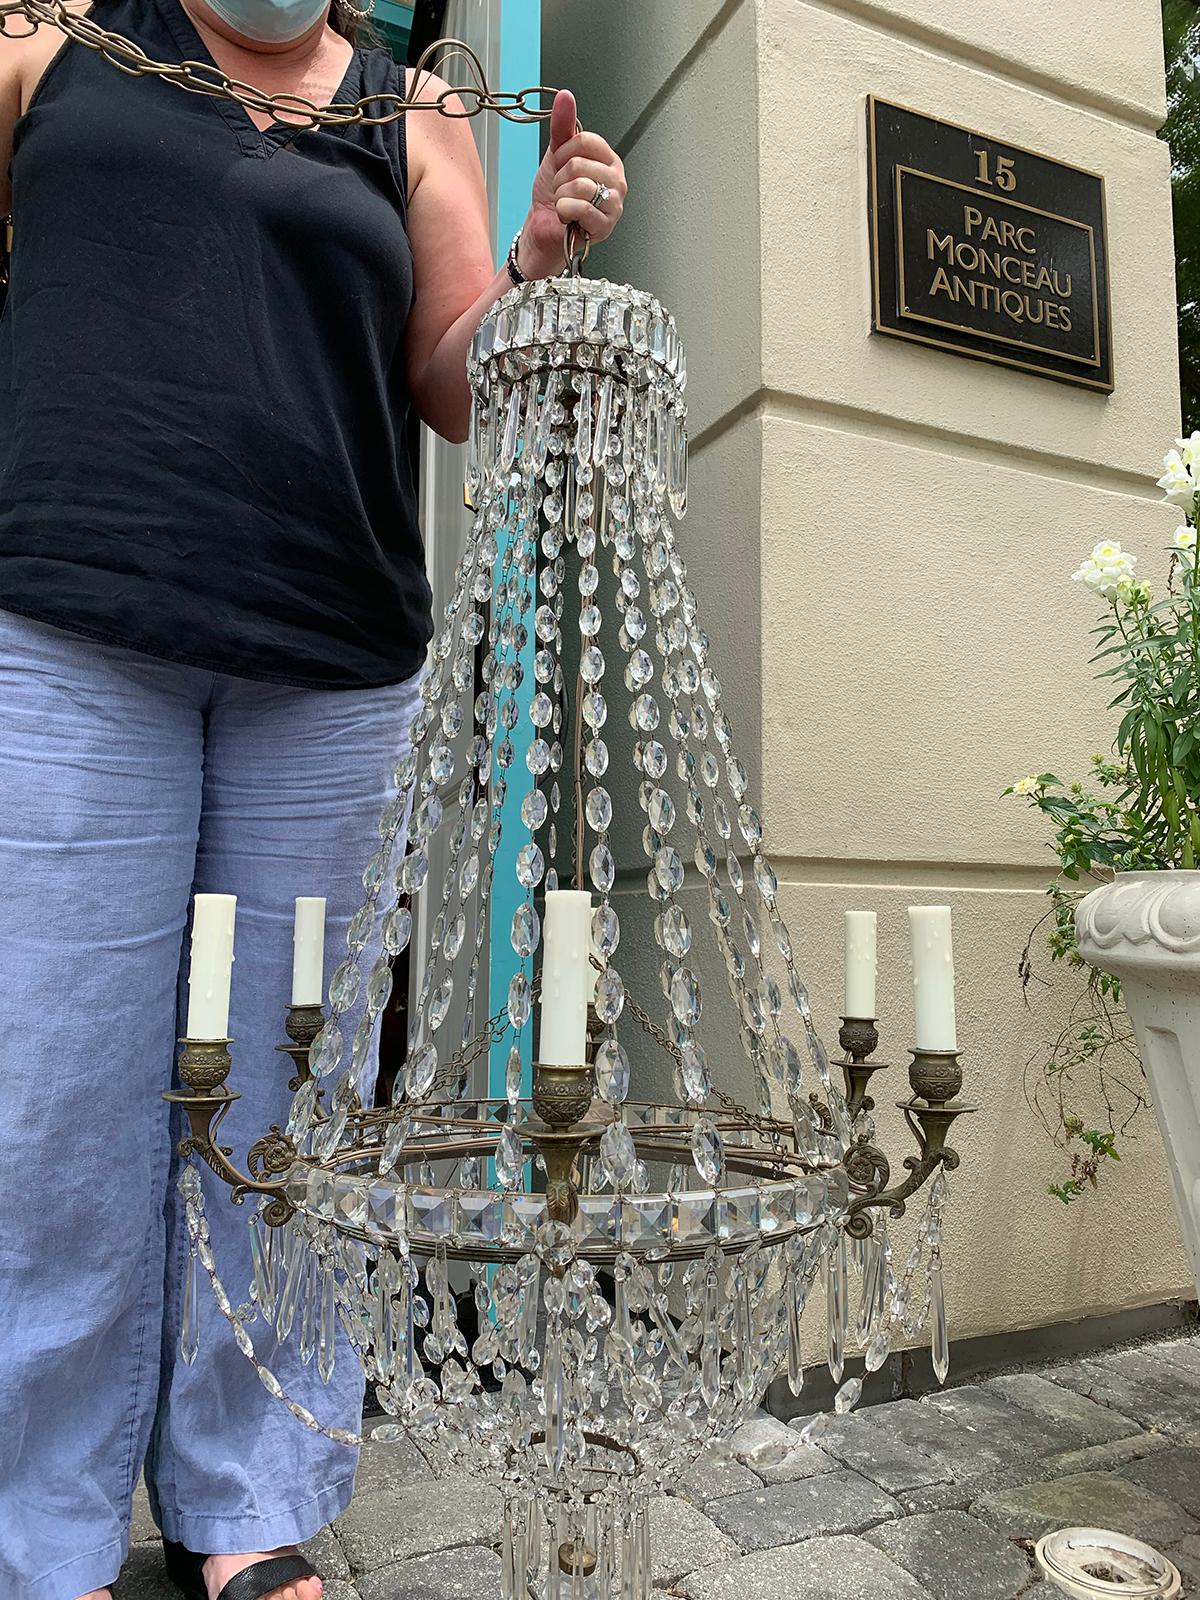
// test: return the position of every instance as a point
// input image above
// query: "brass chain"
(491, 1033)
(657, 1033)
(497, 1025)
(206, 78)
(661, 1037)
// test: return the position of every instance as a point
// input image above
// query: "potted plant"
(1140, 930)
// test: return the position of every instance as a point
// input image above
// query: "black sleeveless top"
(202, 388)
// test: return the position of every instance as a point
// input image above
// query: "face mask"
(270, 21)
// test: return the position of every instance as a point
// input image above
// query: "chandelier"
(574, 1294)
(571, 1293)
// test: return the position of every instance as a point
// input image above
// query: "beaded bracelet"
(514, 271)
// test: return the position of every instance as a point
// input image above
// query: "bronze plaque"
(987, 249)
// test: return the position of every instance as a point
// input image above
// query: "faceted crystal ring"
(567, 322)
(768, 1194)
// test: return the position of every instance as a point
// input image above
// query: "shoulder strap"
(380, 73)
(261, 1579)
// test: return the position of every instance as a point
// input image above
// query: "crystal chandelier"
(571, 1293)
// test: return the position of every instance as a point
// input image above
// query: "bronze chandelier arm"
(204, 1065)
(869, 1167)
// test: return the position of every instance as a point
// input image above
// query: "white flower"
(1178, 483)
(1107, 569)
(1185, 538)
(1026, 785)
(1189, 449)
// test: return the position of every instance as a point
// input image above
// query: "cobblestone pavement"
(932, 1499)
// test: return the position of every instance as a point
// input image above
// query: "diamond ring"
(601, 195)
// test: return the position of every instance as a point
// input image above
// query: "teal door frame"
(519, 154)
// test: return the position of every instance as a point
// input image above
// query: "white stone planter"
(1144, 928)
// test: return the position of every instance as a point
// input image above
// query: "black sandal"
(186, 1571)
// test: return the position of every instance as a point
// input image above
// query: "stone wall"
(881, 535)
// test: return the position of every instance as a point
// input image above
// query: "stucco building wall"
(881, 535)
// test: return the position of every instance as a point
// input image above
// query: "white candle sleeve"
(566, 986)
(211, 966)
(861, 930)
(308, 952)
(933, 977)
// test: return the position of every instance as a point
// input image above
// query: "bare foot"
(97, 1594)
(219, 1569)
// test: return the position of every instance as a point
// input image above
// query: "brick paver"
(785, 1513)
(954, 1556)
(1091, 1500)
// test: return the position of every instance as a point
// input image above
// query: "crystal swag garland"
(585, 1326)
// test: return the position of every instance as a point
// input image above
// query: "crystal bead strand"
(612, 1063)
(558, 480)
(326, 1050)
(507, 639)
(536, 806)
(735, 965)
(446, 932)
(612, 1066)
(418, 1082)
(764, 878)
(486, 817)
(664, 599)
(691, 722)
(432, 1004)
(486, 722)
(547, 460)
(672, 928)
(197, 1227)
(769, 1331)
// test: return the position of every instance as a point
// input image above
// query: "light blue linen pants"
(126, 785)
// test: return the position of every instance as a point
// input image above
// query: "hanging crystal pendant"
(836, 1306)
(264, 1281)
(295, 1261)
(940, 1342)
(869, 1308)
(327, 1329)
(189, 1320)
(308, 1311)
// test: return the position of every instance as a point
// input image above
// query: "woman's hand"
(455, 277)
(575, 168)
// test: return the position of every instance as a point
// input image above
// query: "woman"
(212, 612)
